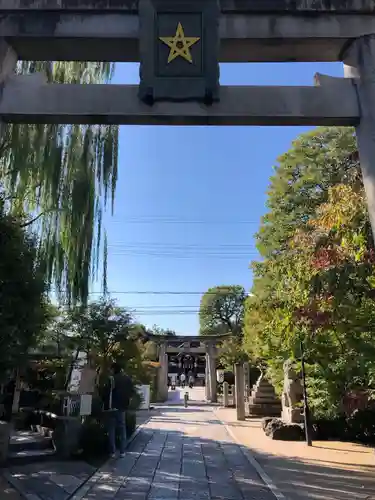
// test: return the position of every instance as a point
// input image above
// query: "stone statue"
(292, 394)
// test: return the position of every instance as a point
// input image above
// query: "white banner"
(144, 391)
(86, 404)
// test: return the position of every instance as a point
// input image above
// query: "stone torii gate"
(179, 44)
(208, 347)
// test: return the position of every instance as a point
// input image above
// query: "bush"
(94, 438)
(94, 435)
(361, 426)
(326, 429)
(358, 427)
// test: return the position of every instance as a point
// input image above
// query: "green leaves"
(69, 174)
(23, 293)
(316, 281)
(231, 352)
(221, 310)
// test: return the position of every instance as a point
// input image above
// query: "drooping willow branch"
(30, 222)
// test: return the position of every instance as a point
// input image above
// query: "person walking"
(182, 379)
(118, 394)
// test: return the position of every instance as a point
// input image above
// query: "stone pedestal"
(292, 396)
(225, 394)
(66, 436)
(5, 430)
(292, 415)
(246, 375)
(263, 400)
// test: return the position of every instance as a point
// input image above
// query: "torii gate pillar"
(163, 373)
(359, 64)
(211, 384)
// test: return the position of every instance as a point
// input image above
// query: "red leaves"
(369, 256)
(325, 258)
(312, 315)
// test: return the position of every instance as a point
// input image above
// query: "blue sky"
(189, 200)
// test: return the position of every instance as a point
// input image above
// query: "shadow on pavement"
(172, 465)
(312, 479)
(180, 462)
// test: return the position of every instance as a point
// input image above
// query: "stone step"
(263, 393)
(262, 397)
(23, 457)
(270, 401)
(265, 410)
(29, 440)
(43, 431)
(264, 389)
(28, 446)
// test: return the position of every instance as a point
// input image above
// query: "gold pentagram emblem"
(179, 44)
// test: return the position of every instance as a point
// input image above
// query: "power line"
(162, 306)
(166, 313)
(183, 255)
(184, 246)
(152, 292)
(171, 220)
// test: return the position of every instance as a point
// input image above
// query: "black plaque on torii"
(179, 50)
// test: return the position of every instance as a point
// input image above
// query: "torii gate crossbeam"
(27, 99)
(242, 30)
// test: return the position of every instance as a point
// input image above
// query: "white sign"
(76, 374)
(144, 392)
(86, 404)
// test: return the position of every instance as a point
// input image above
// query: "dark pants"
(116, 425)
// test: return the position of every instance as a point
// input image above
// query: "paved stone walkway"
(180, 454)
(50, 480)
(56, 480)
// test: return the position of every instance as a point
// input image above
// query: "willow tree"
(62, 177)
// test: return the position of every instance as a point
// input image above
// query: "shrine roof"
(189, 338)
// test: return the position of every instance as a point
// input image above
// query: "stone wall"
(5, 430)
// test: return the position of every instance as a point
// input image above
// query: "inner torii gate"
(208, 346)
(179, 44)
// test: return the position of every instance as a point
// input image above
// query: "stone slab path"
(52, 480)
(179, 454)
(49, 480)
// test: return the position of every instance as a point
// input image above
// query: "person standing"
(182, 379)
(118, 394)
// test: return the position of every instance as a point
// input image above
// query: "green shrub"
(358, 427)
(361, 426)
(94, 438)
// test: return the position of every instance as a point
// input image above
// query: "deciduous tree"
(221, 310)
(24, 311)
(316, 282)
(64, 176)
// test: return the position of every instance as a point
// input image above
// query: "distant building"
(188, 358)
